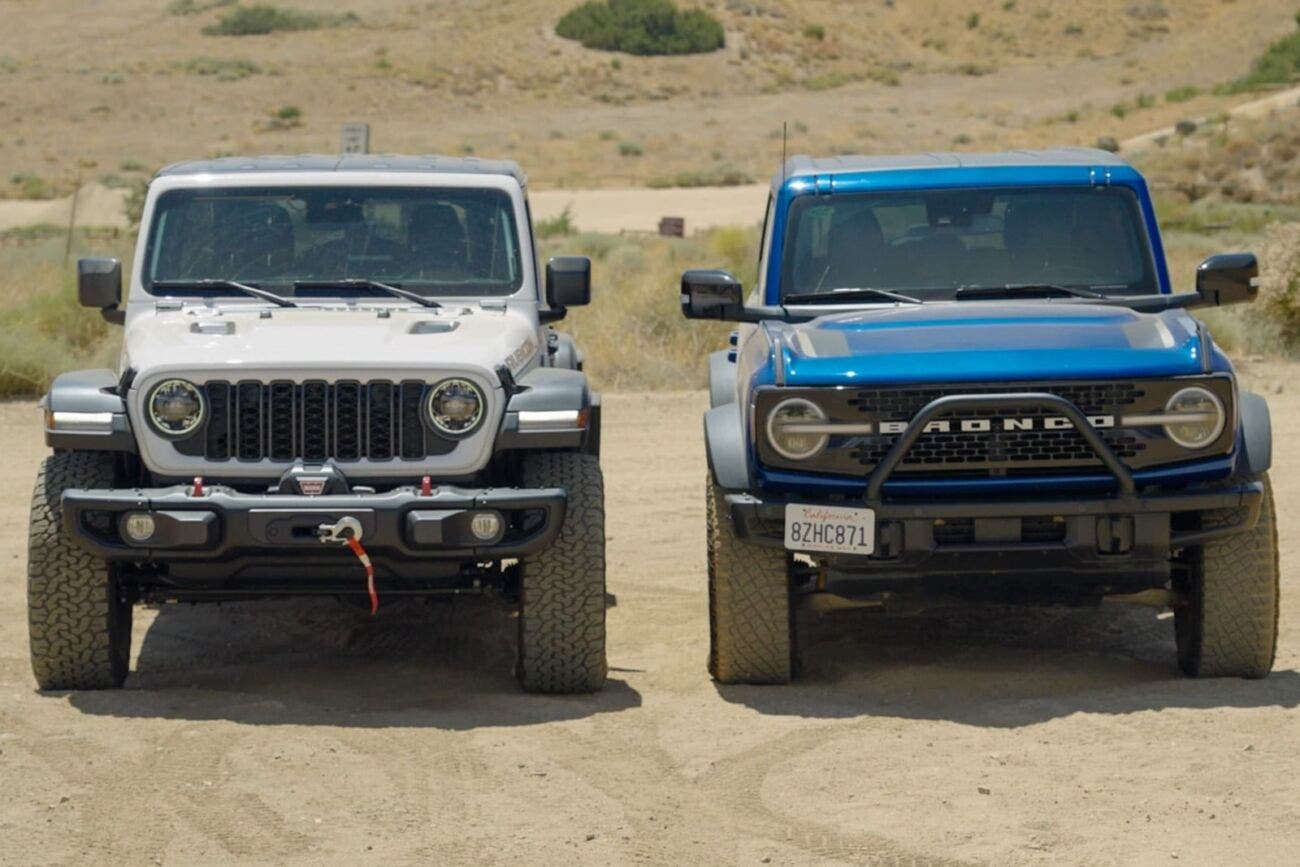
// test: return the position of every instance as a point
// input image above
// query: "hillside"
(115, 89)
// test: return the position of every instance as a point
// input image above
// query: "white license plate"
(833, 530)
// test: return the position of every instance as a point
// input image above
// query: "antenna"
(785, 134)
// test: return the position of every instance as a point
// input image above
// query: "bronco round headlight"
(786, 431)
(1198, 418)
(455, 407)
(175, 407)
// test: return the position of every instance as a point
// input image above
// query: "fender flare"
(1256, 433)
(550, 390)
(722, 378)
(94, 392)
(727, 450)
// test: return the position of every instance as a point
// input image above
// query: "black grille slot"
(347, 421)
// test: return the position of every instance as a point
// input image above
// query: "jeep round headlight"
(784, 432)
(1199, 418)
(455, 407)
(176, 408)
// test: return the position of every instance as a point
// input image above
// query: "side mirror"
(99, 285)
(568, 281)
(1229, 278)
(708, 294)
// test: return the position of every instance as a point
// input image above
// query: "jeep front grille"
(316, 420)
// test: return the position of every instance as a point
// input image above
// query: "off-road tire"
(562, 587)
(79, 624)
(752, 636)
(1228, 624)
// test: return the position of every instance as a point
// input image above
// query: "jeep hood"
(971, 341)
(231, 342)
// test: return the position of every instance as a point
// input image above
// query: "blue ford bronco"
(968, 377)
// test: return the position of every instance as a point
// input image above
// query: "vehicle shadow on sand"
(998, 667)
(317, 662)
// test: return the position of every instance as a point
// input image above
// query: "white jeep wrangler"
(338, 377)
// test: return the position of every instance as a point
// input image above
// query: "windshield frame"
(523, 286)
(797, 195)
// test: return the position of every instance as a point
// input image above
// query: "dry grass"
(634, 333)
(43, 330)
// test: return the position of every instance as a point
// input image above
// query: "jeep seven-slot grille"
(315, 420)
(1009, 447)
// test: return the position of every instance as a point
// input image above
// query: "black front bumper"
(224, 524)
(1079, 545)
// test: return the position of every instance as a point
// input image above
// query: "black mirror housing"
(568, 282)
(711, 294)
(1228, 278)
(99, 285)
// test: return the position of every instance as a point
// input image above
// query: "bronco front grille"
(1027, 445)
(316, 420)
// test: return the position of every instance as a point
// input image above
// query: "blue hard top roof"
(802, 166)
(348, 163)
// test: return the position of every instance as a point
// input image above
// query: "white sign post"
(356, 138)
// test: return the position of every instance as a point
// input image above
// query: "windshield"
(928, 244)
(426, 240)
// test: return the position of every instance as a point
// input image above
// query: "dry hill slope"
(111, 88)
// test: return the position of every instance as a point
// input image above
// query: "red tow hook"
(347, 531)
(426, 487)
(197, 490)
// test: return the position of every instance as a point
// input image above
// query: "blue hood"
(971, 341)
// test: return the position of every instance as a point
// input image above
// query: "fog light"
(486, 526)
(139, 526)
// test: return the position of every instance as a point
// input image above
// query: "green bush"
(559, 226)
(647, 27)
(1279, 64)
(194, 7)
(260, 19)
(1182, 94)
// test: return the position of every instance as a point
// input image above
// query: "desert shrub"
(630, 149)
(559, 226)
(43, 330)
(1279, 64)
(633, 332)
(720, 176)
(221, 68)
(27, 185)
(194, 7)
(815, 32)
(1277, 311)
(647, 27)
(260, 19)
(1182, 94)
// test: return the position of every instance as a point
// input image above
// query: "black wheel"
(78, 620)
(752, 636)
(1228, 626)
(562, 588)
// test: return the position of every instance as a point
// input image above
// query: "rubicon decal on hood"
(519, 358)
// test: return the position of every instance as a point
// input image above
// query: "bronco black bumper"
(1096, 545)
(222, 523)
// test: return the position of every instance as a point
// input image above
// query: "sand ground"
(304, 731)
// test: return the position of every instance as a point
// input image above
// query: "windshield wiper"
(1012, 290)
(848, 296)
(353, 283)
(215, 283)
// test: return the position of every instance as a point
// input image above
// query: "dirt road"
(307, 732)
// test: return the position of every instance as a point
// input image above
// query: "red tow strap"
(356, 548)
